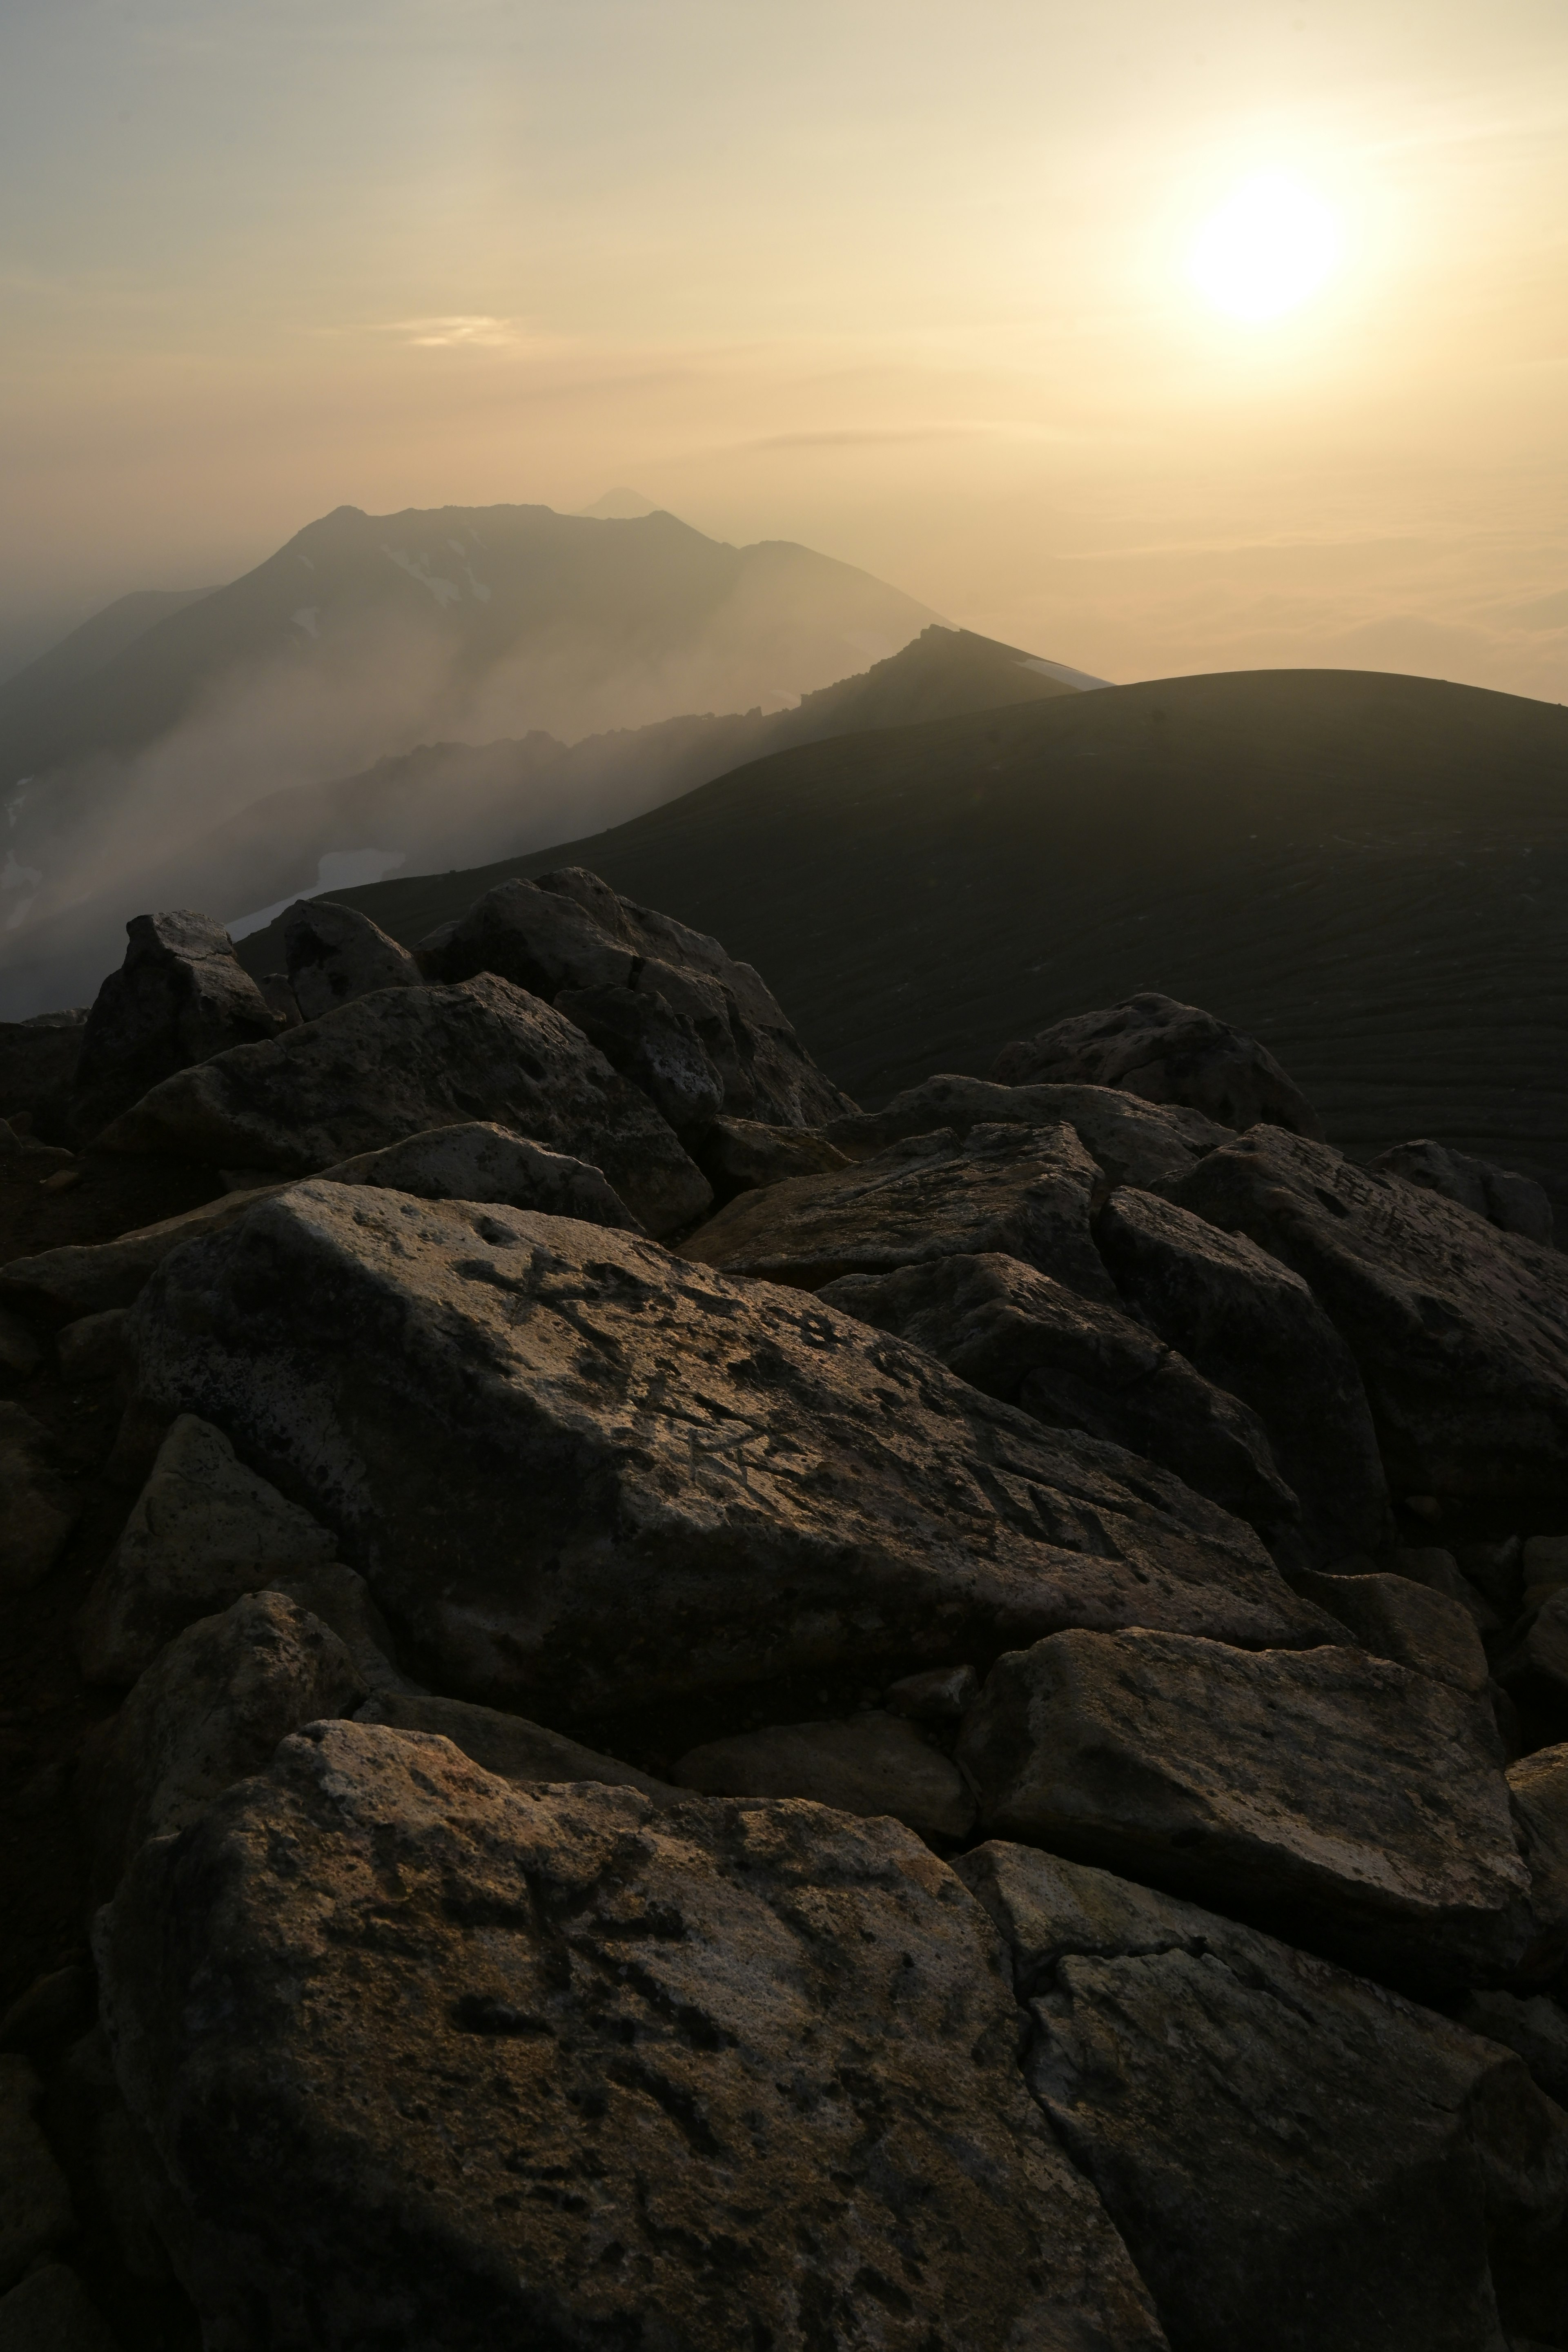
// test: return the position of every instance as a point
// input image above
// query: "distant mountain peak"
(623, 506)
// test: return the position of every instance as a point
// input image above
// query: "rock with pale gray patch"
(1325, 1795)
(39, 1506)
(208, 1711)
(405, 1060)
(336, 954)
(482, 1161)
(641, 1035)
(581, 1473)
(874, 1763)
(597, 2070)
(204, 1530)
(1295, 2157)
(1168, 1052)
(507, 1745)
(1514, 1204)
(36, 2213)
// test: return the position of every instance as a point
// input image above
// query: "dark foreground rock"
(405, 1060)
(1023, 1192)
(1295, 2158)
(1514, 1204)
(1081, 1363)
(570, 931)
(734, 2074)
(1169, 1052)
(873, 1764)
(1459, 1332)
(180, 995)
(39, 1059)
(1329, 1796)
(579, 1472)
(1254, 1328)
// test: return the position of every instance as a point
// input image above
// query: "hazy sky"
(901, 280)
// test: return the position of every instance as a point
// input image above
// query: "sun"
(1271, 245)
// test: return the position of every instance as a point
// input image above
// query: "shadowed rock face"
(180, 996)
(1132, 1142)
(336, 954)
(569, 932)
(1169, 1052)
(729, 2073)
(580, 1472)
(1295, 2157)
(1459, 1332)
(392, 1065)
(1332, 1797)
(1514, 1204)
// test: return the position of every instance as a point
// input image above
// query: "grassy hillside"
(1369, 872)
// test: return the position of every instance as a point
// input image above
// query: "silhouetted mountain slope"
(1369, 872)
(454, 804)
(45, 686)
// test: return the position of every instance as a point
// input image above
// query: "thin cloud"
(473, 329)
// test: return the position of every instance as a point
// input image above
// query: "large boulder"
(204, 1530)
(1459, 1332)
(209, 1711)
(581, 1473)
(1079, 1363)
(660, 1050)
(336, 954)
(1326, 1795)
(1514, 1204)
(569, 930)
(568, 2069)
(1023, 1192)
(1168, 1053)
(394, 1065)
(1254, 1328)
(180, 996)
(1294, 2156)
(1132, 1142)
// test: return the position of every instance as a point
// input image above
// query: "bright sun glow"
(1270, 245)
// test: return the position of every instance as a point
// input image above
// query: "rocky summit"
(706, 1719)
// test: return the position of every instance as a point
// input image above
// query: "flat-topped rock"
(1459, 1332)
(1324, 1794)
(1242, 2107)
(1168, 1052)
(727, 2074)
(580, 1472)
(405, 1060)
(1023, 1192)
(1132, 1142)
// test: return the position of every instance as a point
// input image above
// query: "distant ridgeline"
(1368, 872)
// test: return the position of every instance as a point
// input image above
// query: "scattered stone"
(204, 1530)
(409, 1059)
(1461, 1332)
(873, 1764)
(659, 1049)
(53, 2012)
(580, 1473)
(1514, 1204)
(1393, 1617)
(1326, 1795)
(1022, 1192)
(941, 1694)
(507, 1745)
(51, 2311)
(336, 954)
(570, 931)
(482, 1161)
(730, 2074)
(1131, 1142)
(1168, 1053)
(1081, 1363)
(36, 2213)
(180, 996)
(1535, 2028)
(1294, 2156)
(743, 1155)
(93, 1278)
(208, 1711)
(19, 1352)
(39, 1506)
(93, 1347)
(1254, 1329)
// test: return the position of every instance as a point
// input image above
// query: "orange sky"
(904, 281)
